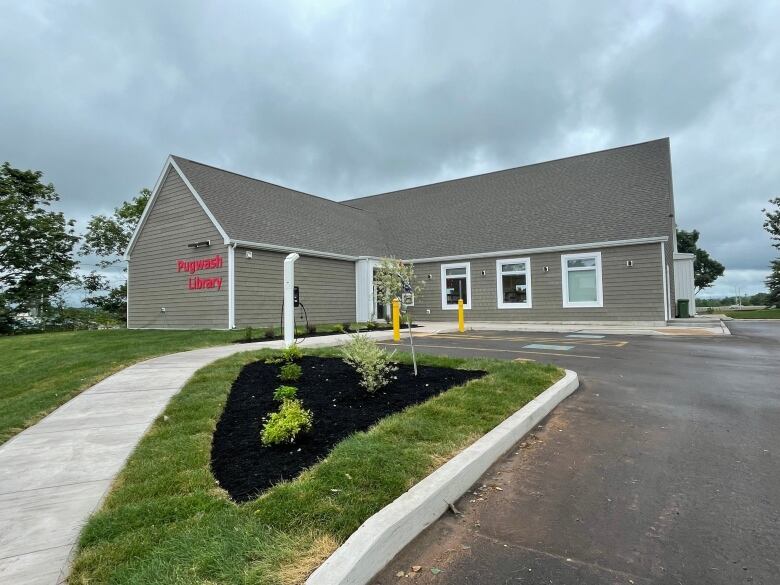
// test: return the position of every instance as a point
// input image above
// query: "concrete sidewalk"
(56, 473)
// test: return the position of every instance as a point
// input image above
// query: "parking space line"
(590, 357)
(548, 346)
(532, 338)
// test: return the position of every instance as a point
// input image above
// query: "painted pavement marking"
(585, 336)
(590, 357)
(533, 338)
(548, 346)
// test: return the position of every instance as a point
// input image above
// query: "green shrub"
(290, 372)
(371, 325)
(269, 333)
(292, 353)
(285, 424)
(311, 329)
(283, 393)
(339, 329)
(248, 334)
(370, 361)
(346, 325)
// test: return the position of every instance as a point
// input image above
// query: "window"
(581, 276)
(455, 284)
(513, 278)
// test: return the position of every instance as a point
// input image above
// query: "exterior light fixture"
(203, 244)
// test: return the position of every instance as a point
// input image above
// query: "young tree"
(108, 238)
(706, 269)
(389, 278)
(772, 225)
(36, 243)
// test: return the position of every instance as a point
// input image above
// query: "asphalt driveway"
(662, 468)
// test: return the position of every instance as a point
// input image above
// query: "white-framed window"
(513, 283)
(455, 284)
(581, 278)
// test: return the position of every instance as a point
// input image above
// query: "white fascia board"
(170, 163)
(508, 253)
(289, 249)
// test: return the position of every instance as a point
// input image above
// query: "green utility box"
(683, 308)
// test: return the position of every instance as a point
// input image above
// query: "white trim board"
(525, 251)
(171, 164)
(290, 249)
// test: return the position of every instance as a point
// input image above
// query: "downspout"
(289, 309)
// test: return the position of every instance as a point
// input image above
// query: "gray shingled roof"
(619, 194)
(255, 211)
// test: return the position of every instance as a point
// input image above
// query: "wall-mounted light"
(484, 273)
(430, 276)
(629, 263)
(203, 244)
(547, 269)
(248, 253)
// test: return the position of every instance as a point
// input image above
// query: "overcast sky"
(345, 98)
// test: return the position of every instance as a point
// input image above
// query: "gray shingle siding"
(630, 294)
(175, 220)
(327, 288)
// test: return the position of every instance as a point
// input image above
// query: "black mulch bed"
(330, 389)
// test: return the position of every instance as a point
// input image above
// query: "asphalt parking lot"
(661, 468)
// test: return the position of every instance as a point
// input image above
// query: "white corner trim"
(567, 304)
(387, 532)
(301, 251)
(667, 315)
(170, 163)
(443, 285)
(500, 285)
(232, 286)
(526, 251)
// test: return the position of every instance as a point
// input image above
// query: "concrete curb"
(387, 532)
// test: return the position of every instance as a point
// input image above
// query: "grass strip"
(755, 314)
(166, 520)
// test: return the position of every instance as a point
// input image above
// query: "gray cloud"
(348, 98)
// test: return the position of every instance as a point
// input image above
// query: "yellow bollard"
(396, 320)
(461, 326)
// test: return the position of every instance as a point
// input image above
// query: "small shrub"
(292, 353)
(371, 325)
(283, 393)
(370, 361)
(285, 424)
(311, 329)
(339, 328)
(346, 325)
(248, 334)
(269, 333)
(290, 372)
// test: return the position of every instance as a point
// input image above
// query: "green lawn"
(757, 314)
(166, 521)
(39, 372)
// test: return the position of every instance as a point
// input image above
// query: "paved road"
(663, 468)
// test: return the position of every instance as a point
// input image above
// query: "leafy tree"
(706, 269)
(108, 238)
(389, 278)
(36, 243)
(773, 284)
(772, 225)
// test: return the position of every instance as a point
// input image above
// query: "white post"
(289, 310)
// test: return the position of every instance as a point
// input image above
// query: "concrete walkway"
(56, 473)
